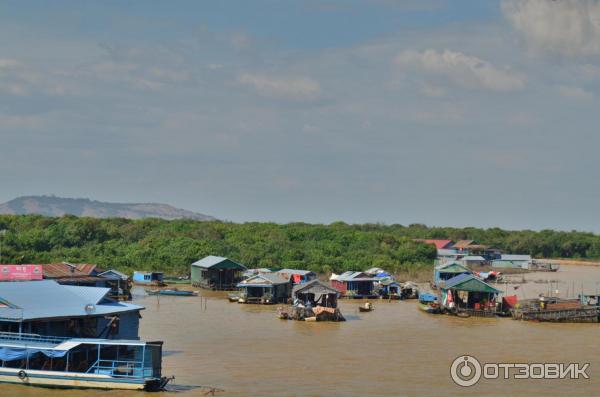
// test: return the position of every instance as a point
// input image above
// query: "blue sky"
(441, 112)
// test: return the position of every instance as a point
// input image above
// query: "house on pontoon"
(267, 288)
(511, 261)
(217, 273)
(48, 308)
(448, 270)
(468, 294)
(355, 284)
(148, 278)
(316, 293)
(472, 260)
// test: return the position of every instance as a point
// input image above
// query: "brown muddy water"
(395, 350)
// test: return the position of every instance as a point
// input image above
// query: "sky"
(442, 112)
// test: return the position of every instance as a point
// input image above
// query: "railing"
(20, 337)
(120, 368)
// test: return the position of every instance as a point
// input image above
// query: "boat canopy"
(17, 353)
(426, 297)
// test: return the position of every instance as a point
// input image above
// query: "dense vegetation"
(172, 245)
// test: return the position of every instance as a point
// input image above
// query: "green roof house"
(216, 273)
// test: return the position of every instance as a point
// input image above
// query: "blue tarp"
(17, 353)
(383, 274)
(425, 297)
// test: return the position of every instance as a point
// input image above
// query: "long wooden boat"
(36, 360)
(171, 292)
(428, 303)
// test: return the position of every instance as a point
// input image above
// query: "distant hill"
(59, 206)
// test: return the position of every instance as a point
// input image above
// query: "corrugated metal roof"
(354, 276)
(123, 276)
(30, 300)
(439, 244)
(511, 257)
(456, 281)
(451, 264)
(90, 294)
(463, 243)
(295, 271)
(86, 268)
(266, 278)
(58, 270)
(472, 258)
(211, 260)
(314, 286)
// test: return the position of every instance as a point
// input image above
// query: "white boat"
(36, 360)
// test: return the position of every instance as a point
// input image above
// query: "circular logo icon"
(465, 371)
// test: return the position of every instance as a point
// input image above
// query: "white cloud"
(462, 69)
(433, 91)
(568, 27)
(575, 93)
(296, 88)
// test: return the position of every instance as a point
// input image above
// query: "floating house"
(472, 260)
(389, 288)
(148, 278)
(448, 270)
(217, 273)
(542, 266)
(48, 308)
(447, 255)
(119, 284)
(512, 261)
(316, 293)
(265, 288)
(73, 337)
(298, 276)
(355, 285)
(72, 274)
(469, 295)
(253, 272)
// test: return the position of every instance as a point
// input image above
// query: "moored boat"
(171, 292)
(429, 303)
(80, 363)
(233, 297)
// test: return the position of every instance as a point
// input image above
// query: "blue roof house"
(48, 308)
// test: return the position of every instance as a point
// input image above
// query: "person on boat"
(542, 301)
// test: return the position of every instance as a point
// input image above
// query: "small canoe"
(367, 307)
(171, 292)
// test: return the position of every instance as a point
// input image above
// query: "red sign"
(20, 272)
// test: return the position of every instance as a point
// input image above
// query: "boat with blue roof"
(80, 363)
(66, 336)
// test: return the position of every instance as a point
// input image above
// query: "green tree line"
(171, 246)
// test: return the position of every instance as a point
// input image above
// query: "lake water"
(395, 350)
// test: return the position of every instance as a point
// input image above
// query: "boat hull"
(70, 380)
(426, 307)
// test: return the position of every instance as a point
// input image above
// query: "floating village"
(73, 326)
